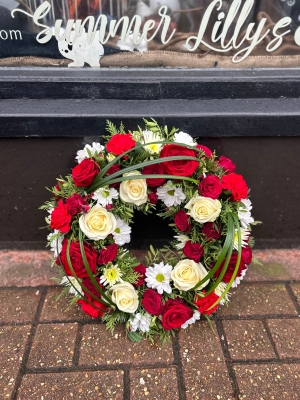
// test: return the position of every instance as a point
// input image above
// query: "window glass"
(236, 33)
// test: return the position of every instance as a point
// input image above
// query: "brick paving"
(48, 353)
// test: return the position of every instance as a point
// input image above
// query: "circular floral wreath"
(91, 213)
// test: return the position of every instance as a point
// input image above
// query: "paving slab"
(116, 349)
(156, 384)
(268, 381)
(84, 385)
(18, 305)
(248, 340)
(285, 333)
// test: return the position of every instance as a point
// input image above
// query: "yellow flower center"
(160, 277)
(118, 230)
(171, 192)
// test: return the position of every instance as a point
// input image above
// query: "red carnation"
(76, 259)
(155, 169)
(237, 185)
(211, 232)
(85, 172)
(247, 255)
(152, 302)
(60, 218)
(210, 187)
(231, 267)
(77, 204)
(205, 150)
(108, 255)
(193, 251)
(227, 164)
(181, 220)
(95, 311)
(120, 143)
(175, 314)
(153, 198)
(204, 303)
(179, 167)
(141, 270)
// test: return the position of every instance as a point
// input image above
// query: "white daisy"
(71, 282)
(111, 276)
(56, 242)
(244, 213)
(170, 194)
(244, 236)
(122, 233)
(105, 196)
(141, 322)
(50, 211)
(182, 239)
(239, 279)
(149, 137)
(184, 138)
(219, 290)
(195, 317)
(158, 277)
(95, 149)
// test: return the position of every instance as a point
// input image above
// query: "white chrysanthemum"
(48, 219)
(184, 138)
(141, 322)
(196, 316)
(71, 282)
(105, 196)
(239, 279)
(244, 213)
(219, 290)
(244, 236)
(149, 137)
(55, 243)
(94, 150)
(182, 239)
(122, 233)
(170, 194)
(158, 277)
(111, 276)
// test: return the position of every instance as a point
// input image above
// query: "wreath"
(153, 171)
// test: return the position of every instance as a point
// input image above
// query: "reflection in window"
(186, 17)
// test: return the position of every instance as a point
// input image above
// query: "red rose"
(60, 218)
(179, 167)
(155, 169)
(120, 143)
(231, 267)
(141, 270)
(85, 172)
(205, 150)
(193, 251)
(210, 231)
(227, 164)
(204, 303)
(152, 302)
(153, 198)
(237, 185)
(95, 312)
(76, 259)
(108, 255)
(175, 315)
(210, 187)
(247, 255)
(77, 204)
(114, 168)
(88, 284)
(181, 220)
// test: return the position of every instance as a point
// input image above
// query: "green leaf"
(134, 336)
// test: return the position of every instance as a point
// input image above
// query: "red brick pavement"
(49, 353)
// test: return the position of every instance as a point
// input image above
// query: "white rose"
(204, 209)
(134, 191)
(98, 223)
(125, 297)
(187, 274)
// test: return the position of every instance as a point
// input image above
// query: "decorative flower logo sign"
(152, 171)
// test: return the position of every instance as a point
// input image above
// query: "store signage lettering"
(97, 30)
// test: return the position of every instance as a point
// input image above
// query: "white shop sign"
(87, 46)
